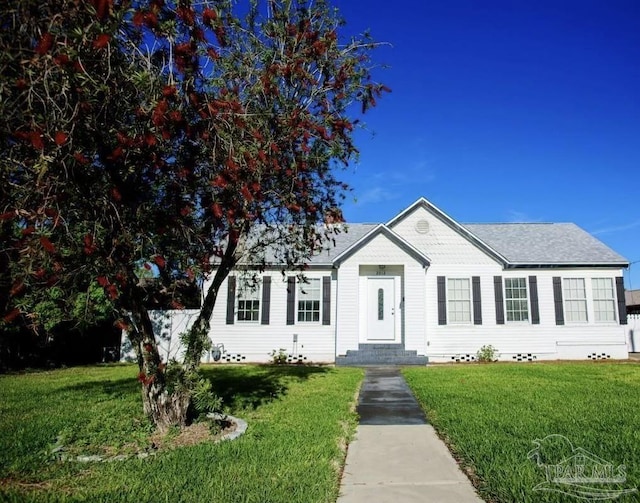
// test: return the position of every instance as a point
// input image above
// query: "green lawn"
(490, 415)
(299, 420)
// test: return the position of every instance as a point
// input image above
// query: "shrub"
(487, 353)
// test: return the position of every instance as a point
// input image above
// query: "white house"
(423, 287)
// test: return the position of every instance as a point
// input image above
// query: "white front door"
(381, 309)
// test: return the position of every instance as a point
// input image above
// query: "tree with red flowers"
(181, 136)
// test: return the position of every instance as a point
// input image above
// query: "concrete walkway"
(396, 456)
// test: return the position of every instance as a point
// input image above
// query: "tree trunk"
(200, 328)
(163, 408)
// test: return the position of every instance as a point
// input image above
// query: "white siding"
(167, 327)
(442, 244)
(546, 340)
(252, 342)
(381, 251)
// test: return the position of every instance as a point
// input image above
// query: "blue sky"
(505, 111)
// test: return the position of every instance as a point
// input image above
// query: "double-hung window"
(575, 300)
(604, 299)
(516, 300)
(248, 301)
(459, 300)
(309, 300)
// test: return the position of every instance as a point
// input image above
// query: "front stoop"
(380, 354)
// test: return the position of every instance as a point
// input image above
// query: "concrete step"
(359, 360)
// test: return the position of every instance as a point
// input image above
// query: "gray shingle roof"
(353, 234)
(545, 243)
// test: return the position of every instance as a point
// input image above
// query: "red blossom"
(61, 59)
(116, 154)
(150, 140)
(121, 324)
(209, 15)
(169, 91)
(138, 18)
(44, 44)
(246, 193)
(115, 194)
(89, 246)
(102, 281)
(101, 41)
(102, 8)
(217, 210)
(219, 181)
(60, 137)
(7, 215)
(11, 315)
(160, 261)
(36, 140)
(112, 292)
(81, 158)
(47, 244)
(17, 289)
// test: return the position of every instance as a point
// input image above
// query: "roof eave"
(551, 265)
(398, 240)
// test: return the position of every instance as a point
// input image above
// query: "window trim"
(449, 300)
(613, 300)
(258, 298)
(302, 285)
(505, 300)
(566, 299)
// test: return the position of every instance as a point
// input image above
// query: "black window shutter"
(477, 301)
(622, 305)
(266, 299)
(533, 293)
(442, 301)
(557, 300)
(291, 300)
(497, 287)
(231, 299)
(326, 300)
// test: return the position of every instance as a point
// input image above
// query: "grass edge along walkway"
(300, 419)
(490, 415)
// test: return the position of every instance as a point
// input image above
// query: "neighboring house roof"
(546, 244)
(632, 298)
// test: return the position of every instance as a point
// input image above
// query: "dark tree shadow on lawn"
(112, 388)
(251, 387)
(238, 386)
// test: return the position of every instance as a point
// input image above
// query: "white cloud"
(375, 195)
(617, 228)
(521, 217)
